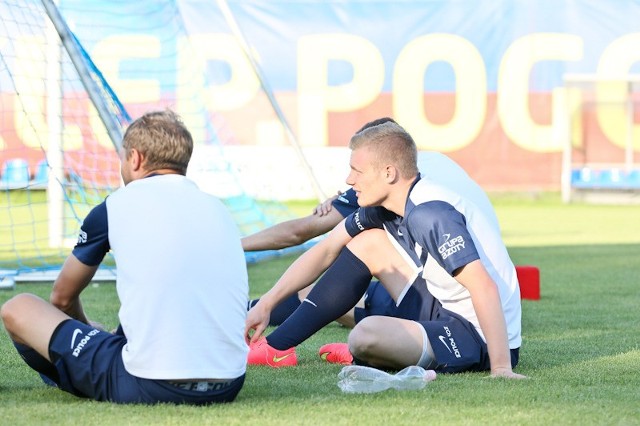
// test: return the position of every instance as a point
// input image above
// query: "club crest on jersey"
(451, 245)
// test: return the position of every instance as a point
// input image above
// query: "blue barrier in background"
(612, 178)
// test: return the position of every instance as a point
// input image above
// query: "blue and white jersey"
(440, 232)
(181, 278)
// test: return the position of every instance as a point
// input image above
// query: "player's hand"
(507, 373)
(326, 206)
(256, 322)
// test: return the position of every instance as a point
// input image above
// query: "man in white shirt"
(181, 280)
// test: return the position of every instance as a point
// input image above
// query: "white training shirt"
(181, 279)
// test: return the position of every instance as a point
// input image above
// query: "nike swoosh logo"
(444, 342)
(75, 334)
(277, 359)
(309, 301)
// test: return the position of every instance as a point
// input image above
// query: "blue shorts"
(89, 364)
(456, 343)
(377, 301)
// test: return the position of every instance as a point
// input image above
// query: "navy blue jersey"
(442, 231)
(435, 226)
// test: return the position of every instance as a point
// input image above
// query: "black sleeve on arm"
(346, 203)
(367, 218)
(93, 239)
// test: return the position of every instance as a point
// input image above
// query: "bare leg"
(385, 261)
(387, 342)
(379, 340)
(31, 321)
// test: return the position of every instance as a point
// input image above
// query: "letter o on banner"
(470, 94)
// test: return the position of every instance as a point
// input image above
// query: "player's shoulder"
(438, 161)
(430, 210)
(439, 168)
(99, 212)
(426, 190)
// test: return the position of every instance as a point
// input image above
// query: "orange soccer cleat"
(260, 353)
(336, 353)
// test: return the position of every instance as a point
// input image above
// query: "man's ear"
(391, 173)
(136, 159)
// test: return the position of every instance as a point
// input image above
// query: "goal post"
(62, 123)
(601, 130)
(57, 159)
(112, 113)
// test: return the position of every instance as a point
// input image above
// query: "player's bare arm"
(72, 280)
(486, 302)
(291, 232)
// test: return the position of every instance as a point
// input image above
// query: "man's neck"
(397, 199)
(161, 172)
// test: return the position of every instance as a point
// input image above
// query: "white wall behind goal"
(268, 172)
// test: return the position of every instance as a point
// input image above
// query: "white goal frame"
(573, 107)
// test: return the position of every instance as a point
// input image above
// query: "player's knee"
(9, 311)
(367, 241)
(369, 246)
(362, 339)
(5, 312)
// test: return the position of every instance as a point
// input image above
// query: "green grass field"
(581, 346)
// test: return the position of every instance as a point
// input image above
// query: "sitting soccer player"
(434, 166)
(181, 280)
(439, 255)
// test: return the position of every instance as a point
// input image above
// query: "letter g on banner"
(513, 87)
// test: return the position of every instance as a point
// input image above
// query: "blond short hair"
(162, 138)
(391, 144)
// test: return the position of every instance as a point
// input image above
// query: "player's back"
(441, 169)
(182, 280)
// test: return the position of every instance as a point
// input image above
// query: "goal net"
(602, 134)
(57, 148)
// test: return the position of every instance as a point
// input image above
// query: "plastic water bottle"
(361, 379)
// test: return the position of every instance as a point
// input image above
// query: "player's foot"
(260, 353)
(336, 353)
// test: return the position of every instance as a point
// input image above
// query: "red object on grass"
(529, 279)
